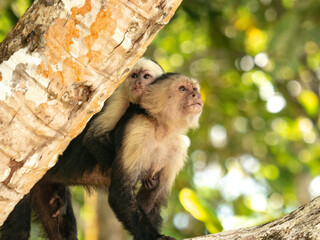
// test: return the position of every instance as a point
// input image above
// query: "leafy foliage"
(256, 154)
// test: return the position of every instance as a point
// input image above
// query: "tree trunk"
(301, 224)
(57, 66)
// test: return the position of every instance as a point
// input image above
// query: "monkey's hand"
(152, 182)
(59, 203)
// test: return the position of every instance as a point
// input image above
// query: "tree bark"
(57, 66)
(301, 224)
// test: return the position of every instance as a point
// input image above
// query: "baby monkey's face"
(138, 79)
(144, 72)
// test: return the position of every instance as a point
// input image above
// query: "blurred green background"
(256, 154)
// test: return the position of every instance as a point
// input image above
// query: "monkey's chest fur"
(147, 149)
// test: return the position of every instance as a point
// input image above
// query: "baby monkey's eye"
(147, 76)
(182, 88)
(134, 75)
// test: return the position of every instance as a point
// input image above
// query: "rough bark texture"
(57, 66)
(301, 224)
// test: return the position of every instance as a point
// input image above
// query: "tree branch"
(301, 224)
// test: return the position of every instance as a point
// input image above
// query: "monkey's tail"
(18, 223)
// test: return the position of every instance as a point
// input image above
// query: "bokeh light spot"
(218, 136)
(275, 104)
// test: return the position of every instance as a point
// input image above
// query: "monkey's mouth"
(197, 104)
(136, 90)
(195, 107)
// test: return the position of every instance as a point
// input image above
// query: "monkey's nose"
(195, 94)
(138, 83)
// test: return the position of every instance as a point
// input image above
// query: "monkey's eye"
(182, 88)
(147, 76)
(134, 75)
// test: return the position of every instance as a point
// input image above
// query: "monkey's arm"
(152, 197)
(98, 136)
(101, 147)
(126, 207)
(57, 226)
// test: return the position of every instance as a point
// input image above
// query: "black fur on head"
(165, 76)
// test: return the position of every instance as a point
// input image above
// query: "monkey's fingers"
(62, 206)
(56, 214)
(60, 210)
(148, 184)
(151, 183)
(54, 198)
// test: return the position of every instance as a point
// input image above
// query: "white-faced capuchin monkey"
(86, 161)
(149, 142)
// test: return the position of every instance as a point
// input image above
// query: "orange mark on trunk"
(60, 37)
(82, 10)
(63, 32)
(72, 70)
(64, 63)
(50, 74)
(104, 24)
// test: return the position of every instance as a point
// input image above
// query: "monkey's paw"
(59, 204)
(152, 183)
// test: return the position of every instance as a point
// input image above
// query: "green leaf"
(310, 102)
(191, 202)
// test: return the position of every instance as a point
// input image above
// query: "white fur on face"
(164, 101)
